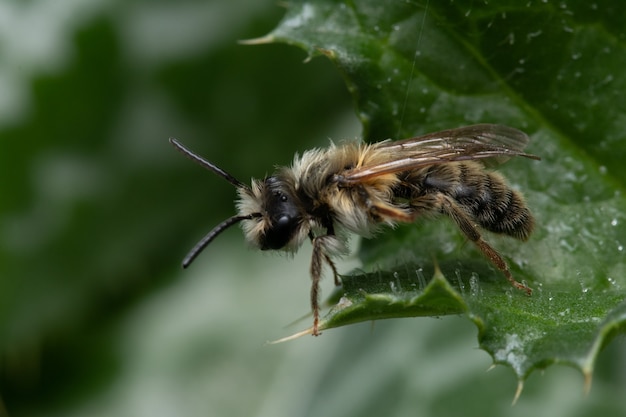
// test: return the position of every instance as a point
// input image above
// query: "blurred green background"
(97, 211)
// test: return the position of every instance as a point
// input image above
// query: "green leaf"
(554, 70)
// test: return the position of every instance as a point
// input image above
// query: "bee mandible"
(359, 188)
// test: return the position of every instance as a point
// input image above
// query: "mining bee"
(358, 187)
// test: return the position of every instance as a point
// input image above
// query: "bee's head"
(269, 211)
(278, 222)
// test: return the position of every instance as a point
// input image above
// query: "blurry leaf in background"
(97, 209)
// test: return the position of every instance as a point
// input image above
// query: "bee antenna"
(208, 165)
(195, 251)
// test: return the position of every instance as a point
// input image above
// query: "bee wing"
(492, 144)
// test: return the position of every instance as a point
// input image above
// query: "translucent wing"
(486, 142)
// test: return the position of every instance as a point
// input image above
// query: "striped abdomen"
(483, 195)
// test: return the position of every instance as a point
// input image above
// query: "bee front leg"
(319, 256)
(316, 274)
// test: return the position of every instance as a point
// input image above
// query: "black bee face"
(282, 208)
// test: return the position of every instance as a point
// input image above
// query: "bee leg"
(380, 211)
(464, 222)
(317, 259)
(334, 269)
(386, 212)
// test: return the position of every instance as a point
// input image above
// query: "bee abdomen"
(495, 206)
(485, 196)
(506, 213)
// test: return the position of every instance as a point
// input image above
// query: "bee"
(359, 188)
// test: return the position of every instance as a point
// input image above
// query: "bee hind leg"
(464, 222)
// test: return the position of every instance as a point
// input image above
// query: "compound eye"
(283, 212)
(282, 222)
(280, 233)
